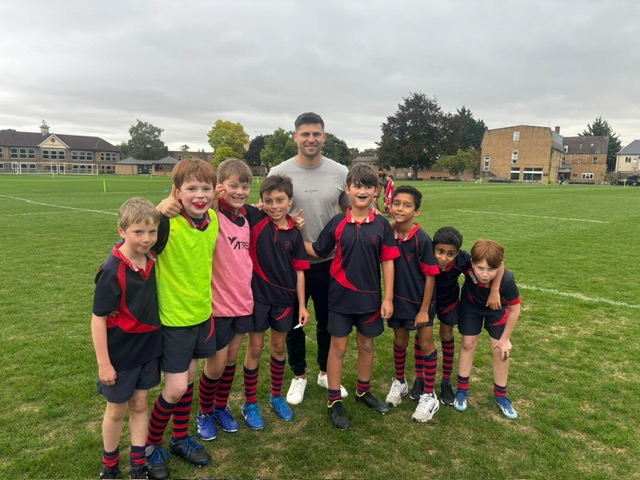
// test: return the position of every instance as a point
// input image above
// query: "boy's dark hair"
(488, 250)
(281, 183)
(308, 118)
(363, 174)
(137, 210)
(390, 175)
(198, 169)
(448, 236)
(413, 191)
(234, 166)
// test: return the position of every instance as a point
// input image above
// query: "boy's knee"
(469, 343)
(116, 411)
(366, 346)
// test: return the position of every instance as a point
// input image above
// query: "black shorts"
(471, 320)
(143, 377)
(448, 314)
(408, 323)
(180, 345)
(265, 316)
(228, 327)
(368, 324)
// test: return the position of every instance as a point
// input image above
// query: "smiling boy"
(363, 241)
(413, 301)
(185, 247)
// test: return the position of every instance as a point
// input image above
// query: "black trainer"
(189, 449)
(110, 472)
(138, 472)
(157, 462)
(417, 389)
(447, 397)
(338, 416)
(372, 402)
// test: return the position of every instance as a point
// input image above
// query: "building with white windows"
(53, 153)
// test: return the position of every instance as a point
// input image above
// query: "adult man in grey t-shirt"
(318, 189)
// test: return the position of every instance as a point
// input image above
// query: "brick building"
(45, 152)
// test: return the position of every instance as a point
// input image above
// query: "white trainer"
(427, 407)
(323, 381)
(397, 391)
(296, 391)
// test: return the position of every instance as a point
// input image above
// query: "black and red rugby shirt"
(476, 293)
(277, 255)
(355, 270)
(411, 268)
(133, 333)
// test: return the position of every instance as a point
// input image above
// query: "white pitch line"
(58, 206)
(534, 216)
(579, 296)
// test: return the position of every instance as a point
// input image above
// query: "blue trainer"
(505, 406)
(251, 412)
(207, 429)
(281, 407)
(226, 420)
(460, 403)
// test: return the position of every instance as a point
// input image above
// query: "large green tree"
(252, 155)
(228, 139)
(336, 149)
(279, 146)
(601, 127)
(145, 142)
(416, 135)
(466, 130)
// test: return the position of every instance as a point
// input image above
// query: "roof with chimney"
(13, 138)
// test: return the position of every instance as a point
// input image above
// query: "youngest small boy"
(125, 327)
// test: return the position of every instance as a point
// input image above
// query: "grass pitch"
(574, 375)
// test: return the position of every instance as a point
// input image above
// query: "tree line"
(420, 135)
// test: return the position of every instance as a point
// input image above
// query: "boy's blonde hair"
(198, 169)
(488, 250)
(137, 210)
(234, 166)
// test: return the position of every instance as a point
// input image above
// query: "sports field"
(574, 378)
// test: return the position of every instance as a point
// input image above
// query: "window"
(1, 152)
(566, 149)
(190, 157)
(487, 163)
(23, 153)
(108, 156)
(532, 174)
(626, 159)
(179, 156)
(563, 160)
(514, 156)
(595, 160)
(587, 176)
(515, 174)
(79, 155)
(1, 167)
(53, 154)
(516, 136)
(14, 153)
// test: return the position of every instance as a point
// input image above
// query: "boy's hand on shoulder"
(170, 207)
(298, 221)
(493, 302)
(107, 374)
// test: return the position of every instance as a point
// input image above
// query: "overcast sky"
(94, 68)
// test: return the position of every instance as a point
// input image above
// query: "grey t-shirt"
(319, 191)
